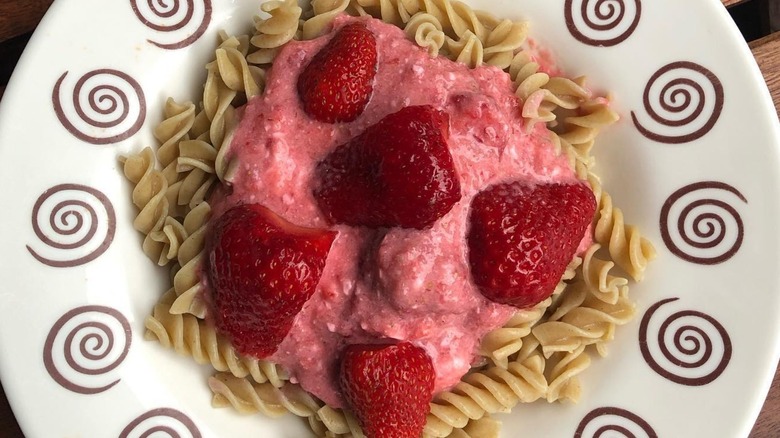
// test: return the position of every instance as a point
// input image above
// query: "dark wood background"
(18, 18)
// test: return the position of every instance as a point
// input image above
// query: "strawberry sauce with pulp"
(402, 284)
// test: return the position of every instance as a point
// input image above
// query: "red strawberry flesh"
(398, 173)
(262, 270)
(389, 388)
(522, 237)
(338, 82)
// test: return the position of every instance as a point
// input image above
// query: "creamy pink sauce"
(544, 57)
(399, 284)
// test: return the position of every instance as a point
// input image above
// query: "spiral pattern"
(613, 422)
(690, 348)
(84, 346)
(161, 422)
(701, 224)
(683, 101)
(181, 22)
(107, 106)
(74, 223)
(602, 23)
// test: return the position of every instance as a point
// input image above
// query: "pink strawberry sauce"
(400, 284)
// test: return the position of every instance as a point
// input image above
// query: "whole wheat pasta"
(191, 336)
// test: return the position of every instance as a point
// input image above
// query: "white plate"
(726, 156)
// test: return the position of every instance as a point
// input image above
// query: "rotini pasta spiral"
(325, 11)
(186, 285)
(217, 100)
(576, 137)
(177, 121)
(596, 275)
(249, 397)
(194, 337)
(501, 343)
(236, 73)
(331, 422)
(253, 397)
(573, 298)
(201, 126)
(467, 49)
(274, 32)
(149, 193)
(426, 31)
(563, 376)
(336, 423)
(396, 12)
(195, 226)
(539, 101)
(592, 118)
(483, 392)
(502, 43)
(186, 281)
(163, 245)
(591, 321)
(485, 427)
(626, 246)
(459, 18)
(197, 167)
(196, 154)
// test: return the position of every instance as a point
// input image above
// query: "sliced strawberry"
(337, 84)
(399, 172)
(262, 271)
(389, 388)
(522, 237)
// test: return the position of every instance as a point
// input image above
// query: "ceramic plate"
(693, 162)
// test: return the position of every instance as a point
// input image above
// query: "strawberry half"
(522, 237)
(389, 388)
(262, 271)
(398, 173)
(338, 82)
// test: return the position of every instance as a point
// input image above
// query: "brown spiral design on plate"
(84, 346)
(75, 224)
(696, 353)
(614, 422)
(683, 100)
(115, 110)
(602, 23)
(701, 224)
(161, 422)
(172, 17)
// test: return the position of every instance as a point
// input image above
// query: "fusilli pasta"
(253, 397)
(275, 31)
(492, 390)
(586, 320)
(426, 31)
(149, 193)
(190, 336)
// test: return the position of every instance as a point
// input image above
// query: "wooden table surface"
(18, 17)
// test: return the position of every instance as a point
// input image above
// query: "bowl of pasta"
(543, 218)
